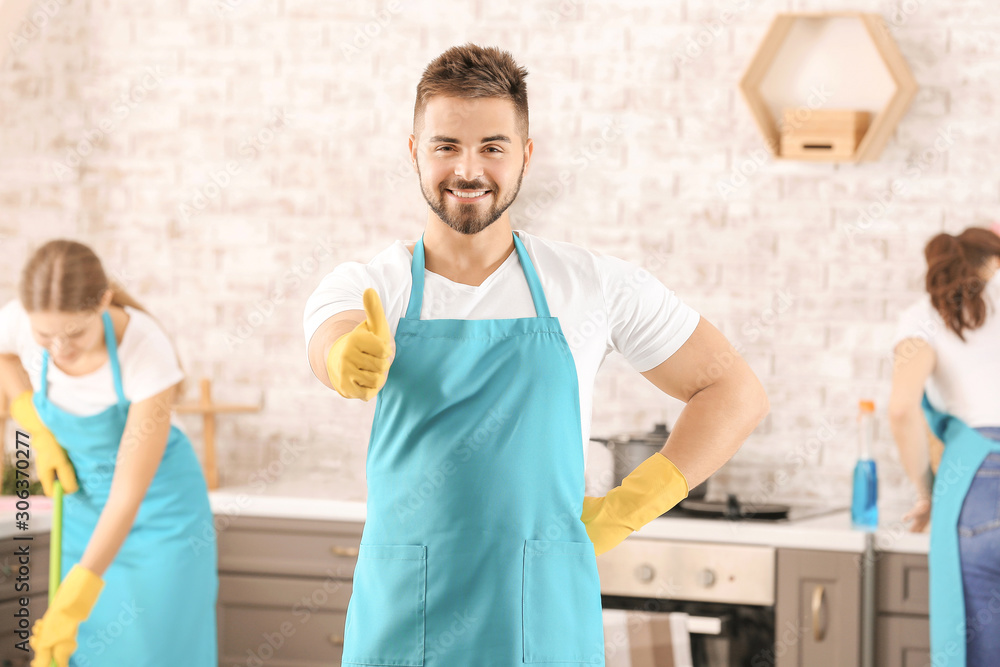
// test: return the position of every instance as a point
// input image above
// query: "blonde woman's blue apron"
(473, 551)
(964, 451)
(157, 608)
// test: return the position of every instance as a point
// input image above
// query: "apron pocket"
(385, 615)
(561, 603)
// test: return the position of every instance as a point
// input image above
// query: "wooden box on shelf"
(880, 125)
(822, 133)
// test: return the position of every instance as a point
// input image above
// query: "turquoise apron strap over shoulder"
(116, 369)
(417, 290)
(111, 343)
(964, 451)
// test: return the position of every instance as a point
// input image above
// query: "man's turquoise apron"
(157, 608)
(964, 451)
(473, 551)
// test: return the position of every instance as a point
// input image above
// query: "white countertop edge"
(237, 502)
(39, 523)
(830, 532)
(906, 543)
(790, 535)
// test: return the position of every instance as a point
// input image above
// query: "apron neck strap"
(534, 284)
(417, 289)
(44, 388)
(417, 283)
(112, 345)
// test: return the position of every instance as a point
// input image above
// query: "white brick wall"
(282, 126)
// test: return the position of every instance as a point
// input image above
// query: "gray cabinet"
(817, 609)
(902, 628)
(10, 603)
(283, 590)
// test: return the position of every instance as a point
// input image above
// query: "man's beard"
(467, 218)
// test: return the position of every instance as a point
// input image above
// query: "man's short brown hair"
(472, 71)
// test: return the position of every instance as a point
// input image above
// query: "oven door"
(649, 632)
(726, 590)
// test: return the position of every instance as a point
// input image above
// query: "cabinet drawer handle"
(343, 551)
(336, 640)
(819, 594)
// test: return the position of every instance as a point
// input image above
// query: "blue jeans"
(979, 550)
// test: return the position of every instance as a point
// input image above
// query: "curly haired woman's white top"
(966, 378)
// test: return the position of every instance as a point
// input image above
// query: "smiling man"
(479, 547)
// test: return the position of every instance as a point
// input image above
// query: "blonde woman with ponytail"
(947, 376)
(93, 378)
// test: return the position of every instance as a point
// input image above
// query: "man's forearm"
(713, 425)
(325, 337)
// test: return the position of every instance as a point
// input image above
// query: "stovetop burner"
(733, 509)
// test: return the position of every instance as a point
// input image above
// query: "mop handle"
(55, 544)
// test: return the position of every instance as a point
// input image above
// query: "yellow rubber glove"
(53, 636)
(651, 489)
(358, 362)
(50, 457)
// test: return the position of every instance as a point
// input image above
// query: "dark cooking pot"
(630, 450)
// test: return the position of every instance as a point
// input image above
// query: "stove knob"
(706, 578)
(645, 573)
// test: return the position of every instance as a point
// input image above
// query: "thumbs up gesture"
(358, 362)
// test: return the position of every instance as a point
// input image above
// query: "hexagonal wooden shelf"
(882, 124)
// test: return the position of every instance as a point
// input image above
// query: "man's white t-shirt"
(603, 303)
(146, 357)
(966, 378)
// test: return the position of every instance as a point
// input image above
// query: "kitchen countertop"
(829, 532)
(39, 516)
(285, 501)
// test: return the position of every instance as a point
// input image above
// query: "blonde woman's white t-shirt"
(603, 303)
(966, 378)
(146, 357)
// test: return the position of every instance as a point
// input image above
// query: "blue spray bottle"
(864, 503)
